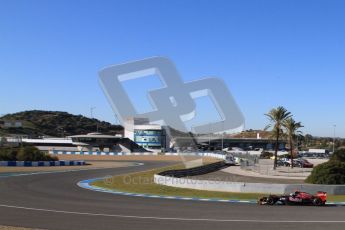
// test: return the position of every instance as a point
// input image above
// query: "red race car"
(295, 198)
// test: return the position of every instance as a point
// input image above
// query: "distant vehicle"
(300, 163)
(284, 162)
(235, 150)
(295, 198)
(281, 163)
(230, 159)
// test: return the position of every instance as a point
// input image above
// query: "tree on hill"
(55, 123)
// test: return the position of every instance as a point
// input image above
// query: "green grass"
(142, 182)
(338, 198)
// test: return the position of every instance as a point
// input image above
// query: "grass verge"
(143, 183)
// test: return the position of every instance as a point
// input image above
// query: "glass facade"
(149, 138)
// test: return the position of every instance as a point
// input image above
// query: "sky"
(268, 52)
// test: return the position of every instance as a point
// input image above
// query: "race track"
(54, 201)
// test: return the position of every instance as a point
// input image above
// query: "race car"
(295, 198)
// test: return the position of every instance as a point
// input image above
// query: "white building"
(84, 142)
(150, 136)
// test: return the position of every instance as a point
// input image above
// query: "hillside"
(54, 123)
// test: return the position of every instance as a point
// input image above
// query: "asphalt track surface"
(54, 201)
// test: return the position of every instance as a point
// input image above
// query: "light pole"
(209, 135)
(91, 114)
(117, 119)
(62, 131)
(334, 127)
(222, 135)
(91, 111)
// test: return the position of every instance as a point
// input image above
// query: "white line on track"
(169, 218)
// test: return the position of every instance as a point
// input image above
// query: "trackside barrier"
(55, 152)
(40, 163)
(239, 187)
(194, 171)
(200, 154)
(99, 153)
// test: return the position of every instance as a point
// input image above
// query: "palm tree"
(277, 117)
(292, 129)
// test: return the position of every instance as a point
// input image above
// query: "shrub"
(26, 153)
(331, 172)
(3, 141)
(7, 154)
(31, 153)
(338, 156)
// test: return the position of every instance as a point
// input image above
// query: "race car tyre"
(317, 202)
(270, 201)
